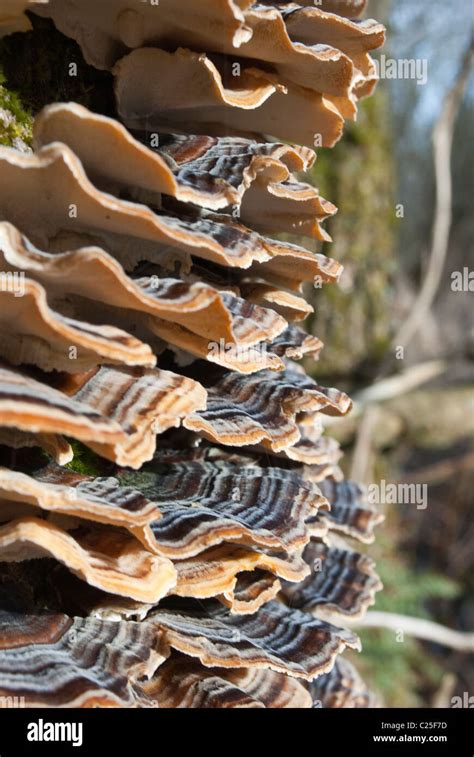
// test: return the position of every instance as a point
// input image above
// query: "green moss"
(41, 67)
(16, 122)
(44, 66)
(85, 461)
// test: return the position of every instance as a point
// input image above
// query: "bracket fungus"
(13, 16)
(184, 682)
(151, 322)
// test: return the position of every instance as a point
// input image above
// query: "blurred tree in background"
(425, 558)
(358, 176)
(384, 160)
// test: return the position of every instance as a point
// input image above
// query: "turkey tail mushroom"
(150, 322)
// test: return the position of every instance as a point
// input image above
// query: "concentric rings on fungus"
(184, 682)
(155, 322)
(276, 638)
(84, 662)
(342, 583)
(107, 559)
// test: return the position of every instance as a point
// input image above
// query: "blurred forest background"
(414, 415)
(413, 420)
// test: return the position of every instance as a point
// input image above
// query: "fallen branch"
(391, 387)
(443, 697)
(402, 383)
(362, 458)
(427, 630)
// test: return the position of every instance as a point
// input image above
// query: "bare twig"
(362, 459)
(442, 145)
(442, 698)
(420, 628)
(394, 386)
(391, 387)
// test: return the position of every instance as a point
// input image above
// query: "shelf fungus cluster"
(150, 320)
